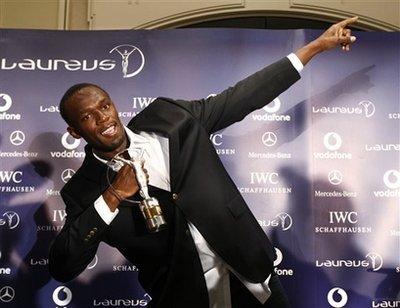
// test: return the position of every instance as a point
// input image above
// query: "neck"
(110, 154)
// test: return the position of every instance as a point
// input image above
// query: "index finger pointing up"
(348, 21)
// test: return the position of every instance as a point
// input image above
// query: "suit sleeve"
(253, 92)
(76, 245)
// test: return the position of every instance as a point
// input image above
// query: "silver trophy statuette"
(149, 206)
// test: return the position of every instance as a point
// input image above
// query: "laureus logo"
(11, 219)
(376, 261)
(337, 297)
(67, 296)
(369, 108)
(132, 59)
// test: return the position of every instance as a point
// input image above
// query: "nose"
(101, 117)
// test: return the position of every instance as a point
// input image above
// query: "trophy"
(149, 206)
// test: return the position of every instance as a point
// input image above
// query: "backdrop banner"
(319, 166)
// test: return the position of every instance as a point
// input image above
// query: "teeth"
(109, 131)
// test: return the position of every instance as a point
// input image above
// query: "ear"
(73, 132)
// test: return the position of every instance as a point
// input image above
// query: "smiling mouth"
(110, 131)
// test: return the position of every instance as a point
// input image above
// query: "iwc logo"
(136, 64)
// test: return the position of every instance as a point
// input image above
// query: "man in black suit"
(212, 253)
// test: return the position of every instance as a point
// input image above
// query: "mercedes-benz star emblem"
(335, 177)
(269, 139)
(67, 174)
(7, 294)
(17, 137)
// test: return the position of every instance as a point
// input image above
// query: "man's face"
(93, 117)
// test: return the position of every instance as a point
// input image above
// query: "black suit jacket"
(206, 195)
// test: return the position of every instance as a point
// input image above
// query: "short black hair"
(70, 93)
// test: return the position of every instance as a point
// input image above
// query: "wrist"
(112, 199)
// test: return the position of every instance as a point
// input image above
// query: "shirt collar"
(135, 141)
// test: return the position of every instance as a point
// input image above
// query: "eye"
(106, 106)
(86, 117)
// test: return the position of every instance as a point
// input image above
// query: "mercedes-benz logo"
(369, 108)
(68, 145)
(391, 178)
(7, 102)
(279, 257)
(7, 294)
(340, 300)
(269, 139)
(11, 219)
(274, 106)
(335, 177)
(125, 51)
(56, 296)
(286, 220)
(332, 141)
(17, 137)
(67, 174)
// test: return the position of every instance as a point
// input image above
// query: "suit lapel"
(154, 123)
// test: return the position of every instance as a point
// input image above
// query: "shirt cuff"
(104, 211)
(296, 62)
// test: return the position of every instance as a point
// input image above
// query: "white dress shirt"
(216, 271)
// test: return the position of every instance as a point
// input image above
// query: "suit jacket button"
(91, 232)
(94, 229)
(175, 196)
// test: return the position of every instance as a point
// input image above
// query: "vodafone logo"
(5, 102)
(337, 297)
(332, 141)
(391, 178)
(274, 106)
(279, 257)
(67, 297)
(67, 144)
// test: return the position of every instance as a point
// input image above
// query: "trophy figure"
(149, 206)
